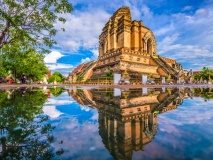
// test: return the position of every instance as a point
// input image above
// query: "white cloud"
(95, 53)
(146, 12)
(82, 29)
(52, 57)
(201, 12)
(59, 102)
(164, 30)
(187, 8)
(189, 115)
(95, 116)
(59, 66)
(85, 60)
(51, 63)
(51, 111)
(188, 38)
(85, 108)
(94, 56)
(168, 44)
(64, 69)
(76, 142)
(169, 40)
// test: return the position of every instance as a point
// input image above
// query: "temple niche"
(128, 45)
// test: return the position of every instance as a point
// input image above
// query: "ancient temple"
(128, 120)
(128, 45)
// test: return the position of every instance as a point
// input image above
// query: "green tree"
(196, 76)
(3, 71)
(35, 67)
(205, 93)
(206, 73)
(31, 21)
(51, 79)
(21, 60)
(3, 96)
(56, 76)
(56, 91)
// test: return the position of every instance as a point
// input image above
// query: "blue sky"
(183, 29)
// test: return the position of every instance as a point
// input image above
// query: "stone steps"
(165, 66)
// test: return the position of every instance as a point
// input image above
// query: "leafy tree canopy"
(3, 71)
(205, 74)
(56, 76)
(31, 21)
(19, 60)
(205, 93)
(56, 91)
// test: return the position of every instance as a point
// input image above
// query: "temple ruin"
(127, 45)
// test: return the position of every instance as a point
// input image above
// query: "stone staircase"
(166, 67)
(86, 100)
(170, 98)
(91, 64)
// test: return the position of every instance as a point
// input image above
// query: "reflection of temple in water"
(128, 120)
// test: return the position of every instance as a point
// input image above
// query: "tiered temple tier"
(135, 62)
(114, 53)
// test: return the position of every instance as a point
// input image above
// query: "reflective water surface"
(106, 124)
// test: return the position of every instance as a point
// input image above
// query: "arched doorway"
(149, 46)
